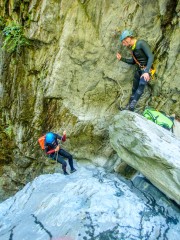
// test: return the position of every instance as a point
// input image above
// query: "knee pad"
(139, 91)
(141, 88)
(143, 81)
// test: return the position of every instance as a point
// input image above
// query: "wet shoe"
(124, 108)
(66, 173)
(131, 98)
(73, 170)
(132, 105)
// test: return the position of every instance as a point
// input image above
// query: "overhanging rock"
(150, 149)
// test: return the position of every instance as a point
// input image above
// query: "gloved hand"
(64, 136)
(57, 148)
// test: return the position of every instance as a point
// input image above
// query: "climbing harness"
(151, 71)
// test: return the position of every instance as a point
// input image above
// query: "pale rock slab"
(88, 204)
(150, 149)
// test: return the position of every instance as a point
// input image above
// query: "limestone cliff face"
(69, 77)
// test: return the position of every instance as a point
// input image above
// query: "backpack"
(159, 118)
(41, 141)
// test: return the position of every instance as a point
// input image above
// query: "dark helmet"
(125, 34)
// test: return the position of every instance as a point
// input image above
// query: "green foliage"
(9, 131)
(2, 23)
(14, 37)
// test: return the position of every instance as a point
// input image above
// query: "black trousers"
(62, 153)
(138, 85)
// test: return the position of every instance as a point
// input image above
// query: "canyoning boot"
(127, 106)
(124, 108)
(73, 170)
(131, 98)
(132, 105)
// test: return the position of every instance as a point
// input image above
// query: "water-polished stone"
(88, 204)
(150, 149)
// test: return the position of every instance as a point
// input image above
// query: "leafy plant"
(2, 23)
(9, 131)
(14, 37)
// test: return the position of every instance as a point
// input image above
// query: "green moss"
(6, 143)
(2, 23)
(9, 131)
(14, 37)
(90, 17)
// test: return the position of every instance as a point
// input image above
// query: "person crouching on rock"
(55, 152)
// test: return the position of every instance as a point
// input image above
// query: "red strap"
(50, 151)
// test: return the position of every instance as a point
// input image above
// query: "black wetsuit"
(144, 56)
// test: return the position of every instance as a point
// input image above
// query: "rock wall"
(69, 77)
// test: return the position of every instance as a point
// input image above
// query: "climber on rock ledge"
(143, 58)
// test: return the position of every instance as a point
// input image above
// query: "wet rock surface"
(150, 149)
(89, 204)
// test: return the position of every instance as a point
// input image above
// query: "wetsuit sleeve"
(63, 138)
(146, 49)
(129, 61)
(50, 151)
(46, 147)
(49, 148)
(58, 136)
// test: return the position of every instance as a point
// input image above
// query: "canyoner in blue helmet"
(125, 34)
(143, 58)
(53, 149)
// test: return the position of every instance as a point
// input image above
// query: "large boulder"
(150, 149)
(176, 128)
(89, 204)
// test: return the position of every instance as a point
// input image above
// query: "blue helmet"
(125, 34)
(50, 137)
